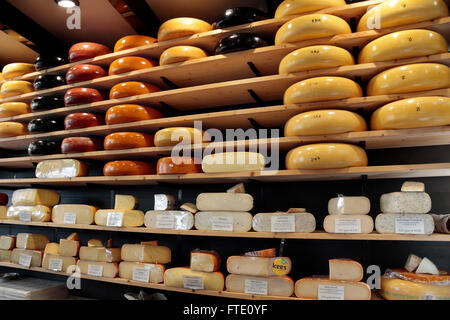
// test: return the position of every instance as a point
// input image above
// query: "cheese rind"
(293, 7)
(259, 266)
(84, 213)
(130, 218)
(405, 202)
(17, 69)
(7, 242)
(31, 241)
(363, 222)
(51, 248)
(10, 109)
(32, 197)
(180, 54)
(12, 129)
(37, 213)
(349, 205)
(441, 222)
(178, 135)
(427, 266)
(224, 201)
(125, 202)
(66, 261)
(5, 255)
(233, 162)
(304, 221)
(109, 269)
(61, 168)
(386, 222)
(69, 248)
(345, 269)
(36, 256)
(211, 280)
(309, 288)
(242, 221)
(413, 186)
(100, 254)
(181, 27)
(204, 261)
(156, 271)
(128, 168)
(412, 263)
(144, 253)
(14, 88)
(182, 220)
(276, 286)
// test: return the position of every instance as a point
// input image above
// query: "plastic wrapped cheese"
(29, 213)
(405, 202)
(310, 288)
(138, 271)
(224, 201)
(293, 7)
(349, 205)
(73, 214)
(223, 221)
(175, 220)
(356, 223)
(268, 286)
(62, 168)
(177, 277)
(267, 222)
(259, 266)
(404, 223)
(119, 218)
(146, 253)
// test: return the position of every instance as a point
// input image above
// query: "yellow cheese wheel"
(410, 78)
(324, 122)
(10, 109)
(398, 289)
(172, 136)
(311, 26)
(1, 77)
(182, 27)
(402, 45)
(291, 7)
(393, 13)
(322, 89)
(12, 129)
(17, 69)
(326, 156)
(315, 57)
(15, 88)
(412, 113)
(180, 54)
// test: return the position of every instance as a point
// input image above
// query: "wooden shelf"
(316, 235)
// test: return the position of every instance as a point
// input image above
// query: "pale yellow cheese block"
(292, 7)
(345, 269)
(205, 261)
(242, 221)
(69, 248)
(32, 197)
(131, 218)
(309, 288)
(224, 201)
(394, 13)
(66, 261)
(412, 113)
(17, 69)
(326, 156)
(38, 213)
(31, 241)
(181, 27)
(125, 202)
(349, 205)
(211, 280)
(259, 266)
(180, 54)
(100, 254)
(311, 26)
(322, 89)
(276, 286)
(315, 57)
(61, 168)
(146, 253)
(12, 129)
(110, 269)
(52, 248)
(304, 221)
(10, 109)
(233, 162)
(3, 211)
(7, 242)
(36, 256)
(405, 202)
(84, 213)
(5, 255)
(173, 136)
(14, 88)
(366, 222)
(410, 78)
(402, 45)
(156, 271)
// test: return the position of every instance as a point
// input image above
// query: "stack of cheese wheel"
(295, 220)
(62, 256)
(29, 249)
(124, 214)
(99, 261)
(203, 273)
(406, 212)
(226, 211)
(263, 274)
(144, 262)
(343, 283)
(348, 215)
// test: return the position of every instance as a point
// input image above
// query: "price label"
(284, 223)
(222, 223)
(347, 226)
(256, 287)
(141, 274)
(114, 219)
(55, 264)
(165, 221)
(410, 225)
(331, 292)
(94, 270)
(25, 260)
(25, 216)
(70, 218)
(193, 282)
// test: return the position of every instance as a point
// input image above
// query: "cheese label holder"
(222, 223)
(327, 292)
(193, 282)
(347, 226)
(115, 219)
(259, 287)
(409, 226)
(25, 260)
(141, 274)
(282, 224)
(165, 221)
(94, 270)
(25, 216)
(70, 218)
(55, 264)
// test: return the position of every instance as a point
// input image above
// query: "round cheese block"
(47, 81)
(130, 113)
(293, 7)
(180, 54)
(410, 78)
(84, 72)
(128, 64)
(237, 16)
(239, 42)
(41, 148)
(412, 113)
(173, 136)
(82, 96)
(46, 61)
(320, 122)
(87, 50)
(326, 156)
(402, 45)
(128, 168)
(13, 70)
(82, 120)
(11, 109)
(46, 102)
(14, 88)
(178, 165)
(182, 27)
(39, 125)
(80, 144)
(127, 140)
(394, 13)
(133, 41)
(131, 88)
(315, 57)
(417, 289)
(311, 26)
(12, 129)
(322, 89)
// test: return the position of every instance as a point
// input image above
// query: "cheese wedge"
(100, 254)
(303, 221)
(259, 266)
(11, 109)
(205, 261)
(238, 188)
(13, 70)
(404, 223)
(398, 289)
(345, 269)
(67, 213)
(180, 54)
(58, 262)
(7, 242)
(36, 213)
(309, 288)
(176, 277)
(32, 197)
(51, 248)
(125, 202)
(275, 286)
(405, 202)
(173, 136)
(349, 205)
(12, 129)
(311, 26)
(14, 88)
(224, 201)
(102, 269)
(427, 266)
(223, 221)
(127, 270)
(130, 218)
(175, 220)
(233, 162)
(355, 223)
(145, 253)
(36, 256)
(293, 7)
(62, 168)
(412, 263)
(5, 255)
(181, 27)
(192, 208)
(413, 186)
(69, 248)
(31, 241)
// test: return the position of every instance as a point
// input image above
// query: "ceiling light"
(67, 3)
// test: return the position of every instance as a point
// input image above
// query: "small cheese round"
(128, 168)
(48, 61)
(87, 50)
(12, 129)
(10, 109)
(173, 136)
(127, 140)
(84, 72)
(133, 41)
(48, 81)
(180, 54)
(178, 165)
(82, 120)
(128, 64)
(293, 7)
(130, 113)
(14, 88)
(13, 70)
(182, 27)
(131, 88)
(81, 96)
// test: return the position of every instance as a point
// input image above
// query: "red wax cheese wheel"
(84, 72)
(121, 6)
(82, 120)
(128, 168)
(127, 64)
(129, 113)
(82, 96)
(80, 144)
(87, 50)
(131, 88)
(133, 41)
(127, 140)
(178, 165)
(3, 199)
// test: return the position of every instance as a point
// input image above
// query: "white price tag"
(25, 260)
(410, 225)
(193, 282)
(55, 264)
(70, 218)
(282, 223)
(222, 223)
(141, 274)
(347, 226)
(331, 292)
(114, 219)
(165, 221)
(94, 270)
(25, 216)
(256, 287)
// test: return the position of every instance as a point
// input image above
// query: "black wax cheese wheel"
(44, 125)
(40, 148)
(46, 103)
(239, 42)
(237, 16)
(47, 81)
(47, 61)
